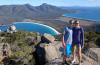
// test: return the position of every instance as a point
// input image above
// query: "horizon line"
(48, 4)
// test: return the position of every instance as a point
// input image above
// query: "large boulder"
(8, 49)
(12, 29)
(54, 53)
(90, 56)
(48, 38)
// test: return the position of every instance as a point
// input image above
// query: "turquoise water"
(32, 27)
(35, 27)
(3, 28)
(87, 13)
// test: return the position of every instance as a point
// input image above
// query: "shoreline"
(60, 22)
(81, 19)
(83, 22)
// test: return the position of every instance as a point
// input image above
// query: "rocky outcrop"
(1, 51)
(90, 56)
(49, 37)
(21, 50)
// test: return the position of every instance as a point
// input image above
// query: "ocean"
(87, 13)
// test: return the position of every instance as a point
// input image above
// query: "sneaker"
(79, 63)
(73, 61)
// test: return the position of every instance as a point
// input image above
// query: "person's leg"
(68, 50)
(74, 53)
(80, 54)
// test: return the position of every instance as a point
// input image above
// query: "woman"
(78, 40)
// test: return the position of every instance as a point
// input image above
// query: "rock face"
(2, 49)
(56, 49)
(90, 56)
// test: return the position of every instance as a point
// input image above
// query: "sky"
(90, 3)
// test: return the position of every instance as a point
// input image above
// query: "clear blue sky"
(53, 2)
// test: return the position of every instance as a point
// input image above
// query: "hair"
(76, 21)
(71, 21)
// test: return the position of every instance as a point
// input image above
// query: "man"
(78, 40)
(67, 40)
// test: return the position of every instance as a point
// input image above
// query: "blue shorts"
(68, 50)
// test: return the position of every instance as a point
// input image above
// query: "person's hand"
(63, 43)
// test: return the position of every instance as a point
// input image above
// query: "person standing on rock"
(78, 41)
(67, 41)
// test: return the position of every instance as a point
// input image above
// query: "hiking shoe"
(80, 64)
(73, 61)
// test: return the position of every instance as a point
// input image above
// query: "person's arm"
(82, 37)
(63, 43)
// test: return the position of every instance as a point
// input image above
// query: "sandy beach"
(60, 22)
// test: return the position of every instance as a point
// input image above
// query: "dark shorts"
(76, 44)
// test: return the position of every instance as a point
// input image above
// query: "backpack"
(40, 55)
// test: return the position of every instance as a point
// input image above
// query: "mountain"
(12, 13)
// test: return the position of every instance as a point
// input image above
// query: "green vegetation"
(20, 48)
(92, 39)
